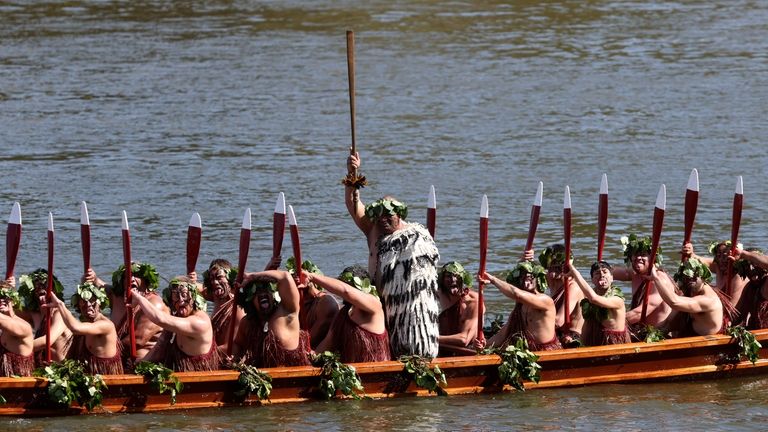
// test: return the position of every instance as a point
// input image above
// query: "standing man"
(96, 343)
(187, 343)
(403, 259)
(15, 337)
(458, 311)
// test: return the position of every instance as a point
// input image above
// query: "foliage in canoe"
(749, 347)
(252, 381)
(518, 364)
(68, 382)
(650, 334)
(431, 379)
(336, 376)
(159, 376)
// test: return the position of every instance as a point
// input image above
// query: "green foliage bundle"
(749, 347)
(418, 368)
(518, 364)
(158, 376)
(650, 334)
(336, 376)
(252, 381)
(68, 382)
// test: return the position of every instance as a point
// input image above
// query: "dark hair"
(357, 271)
(597, 265)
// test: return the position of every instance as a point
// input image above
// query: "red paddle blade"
(127, 257)
(658, 221)
(194, 237)
(12, 240)
(483, 254)
(534, 221)
(738, 203)
(296, 243)
(691, 204)
(567, 221)
(85, 235)
(602, 216)
(278, 225)
(245, 244)
(431, 211)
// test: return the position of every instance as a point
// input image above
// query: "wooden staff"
(431, 212)
(194, 237)
(481, 271)
(296, 243)
(127, 282)
(567, 236)
(85, 236)
(351, 75)
(738, 203)
(658, 222)
(602, 216)
(245, 243)
(691, 205)
(49, 290)
(278, 226)
(534, 221)
(12, 240)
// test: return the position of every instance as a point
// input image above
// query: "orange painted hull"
(687, 358)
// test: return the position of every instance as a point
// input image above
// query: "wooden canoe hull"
(686, 358)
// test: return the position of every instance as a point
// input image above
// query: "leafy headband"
(515, 277)
(745, 269)
(27, 283)
(307, 266)
(712, 248)
(553, 255)
(88, 291)
(198, 302)
(363, 284)
(692, 268)
(457, 269)
(146, 272)
(386, 206)
(230, 271)
(634, 245)
(10, 293)
(245, 297)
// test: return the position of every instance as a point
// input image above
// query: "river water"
(164, 108)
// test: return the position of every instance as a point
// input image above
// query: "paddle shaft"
(85, 242)
(12, 242)
(48, 298)
(658, 222)
(738, 203)
(431, 221)
(127, 282)
(351, 75)
(245, 243)
(566, 283)
(533, 224)
(480, 285)
(602, 220)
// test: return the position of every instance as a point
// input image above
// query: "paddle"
(12, 240)
(194, 236)
(738, 203)
(691, 204)
(658, 222)
(431, 211)
(278, 226)
(245, 243)
(602, 216)
(296, 243)
(481, 271)
(85, 236)
(351, 75)
(49, 289)
(127, 279)
(534, 221)
(567, 236)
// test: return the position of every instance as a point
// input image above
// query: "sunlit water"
(166, 108)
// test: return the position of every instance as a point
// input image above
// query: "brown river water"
(164, 108)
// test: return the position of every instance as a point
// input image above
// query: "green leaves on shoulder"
(159, 376)
(431, 379)
(336, 376)
(68, 382)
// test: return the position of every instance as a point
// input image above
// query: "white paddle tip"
(484, 207)
(739, 186)
(539, 194)
(247, 219)
(604, 185)
(693, 180)
(661, 198)
(125, 221)
(280, 204)
(195, 221)
(291, 216)
(567, 198)
(50, 221)
(15, 214)
(84, 219)
(432, 200)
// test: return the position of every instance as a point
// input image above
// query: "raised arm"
(78, 327)
(286, 287)
(16, 327)
(756, 259)
(362, 301)
(515, 293)
(57, 329)
(687, 251)
(621, 273)
(592, 296)
(355, 206)
(666, 289)
(190, 326)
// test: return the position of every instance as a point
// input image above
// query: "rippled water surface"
(166, 108)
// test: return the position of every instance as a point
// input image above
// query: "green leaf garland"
(159, 376)
(68, 382)
(336, 376)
